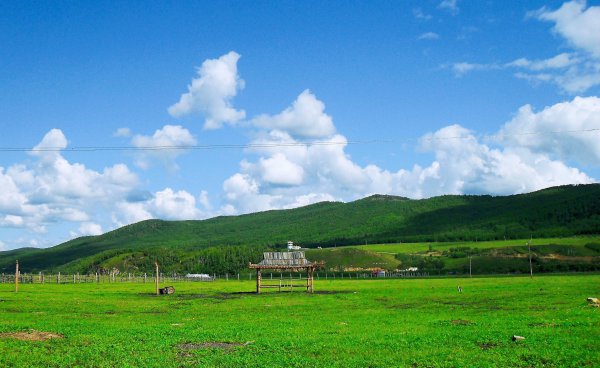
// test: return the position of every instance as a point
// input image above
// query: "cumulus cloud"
(579, 25)
(306, 118)
(289, 173)
(166, 204)
(86, 229)
(50, 189)
(564, 130)
(211, 93)
(164, 146)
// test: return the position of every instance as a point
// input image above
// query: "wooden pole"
(530, 264)
(308, 279)
(470, 274)
(17, 277)
(258, 280)
(157, 277)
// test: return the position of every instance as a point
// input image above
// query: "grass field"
(579, 241)
(350, 323)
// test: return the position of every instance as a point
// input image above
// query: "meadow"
(394, 248)
(345, 323)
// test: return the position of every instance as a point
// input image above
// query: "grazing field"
(349, 323)
(576, 241)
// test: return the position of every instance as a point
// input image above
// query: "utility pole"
(530, 264)
(470, 274)
(156, 264)
(17, 277)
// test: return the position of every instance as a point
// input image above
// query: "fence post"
(17, 277)
(157, 277)
(58, 278)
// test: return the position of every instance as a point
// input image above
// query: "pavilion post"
(258, 280)
(307, 279)
(157, 277)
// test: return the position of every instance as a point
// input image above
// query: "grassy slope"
(376, 323)
(561, 211)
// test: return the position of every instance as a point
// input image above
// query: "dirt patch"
(31, 335)
(487, 345)
(542, 325)
(461, 322)
(331, 292)
(221, 345)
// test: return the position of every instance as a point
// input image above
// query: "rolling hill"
(554, 212)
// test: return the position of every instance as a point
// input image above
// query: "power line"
(274, 144)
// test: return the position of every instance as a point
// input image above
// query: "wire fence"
(59, 278)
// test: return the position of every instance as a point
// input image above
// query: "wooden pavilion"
(293, 261)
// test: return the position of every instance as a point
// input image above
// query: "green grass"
(578, 241)
(350, 323)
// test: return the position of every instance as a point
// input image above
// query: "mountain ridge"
(557, 211)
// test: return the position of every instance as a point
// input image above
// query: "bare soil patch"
(31, 335)
(187, 347)
(487, 345)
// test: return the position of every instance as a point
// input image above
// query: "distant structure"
(293, 261)
(199, 276)
(291, 246)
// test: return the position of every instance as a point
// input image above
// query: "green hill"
(233, 240)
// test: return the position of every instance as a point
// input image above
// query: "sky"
(117, 112)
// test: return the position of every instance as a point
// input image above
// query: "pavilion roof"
(283, 260)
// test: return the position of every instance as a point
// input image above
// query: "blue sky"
(317, 101)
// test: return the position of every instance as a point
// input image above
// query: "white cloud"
(163, 146)
(288, 173)
(278, 170)
(557, 62)
(463, 68)
(578, 25)
(90, 228)
(306, 118)
(50, 189)
(419, 14)
(449, 5)
(429, 36)
(171, 205)
(573, 72)
(166, 204)
(2, 246)
(568, 71)
(468, 166)
(204, 201)
(128, 213)
(572, 122)
(122, 133)
(211, 93)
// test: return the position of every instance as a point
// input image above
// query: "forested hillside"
(226, 242)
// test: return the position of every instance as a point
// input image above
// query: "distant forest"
(227, 244)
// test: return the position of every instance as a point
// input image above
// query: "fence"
(42, 278)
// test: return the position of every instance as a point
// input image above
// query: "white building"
(291, 246)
